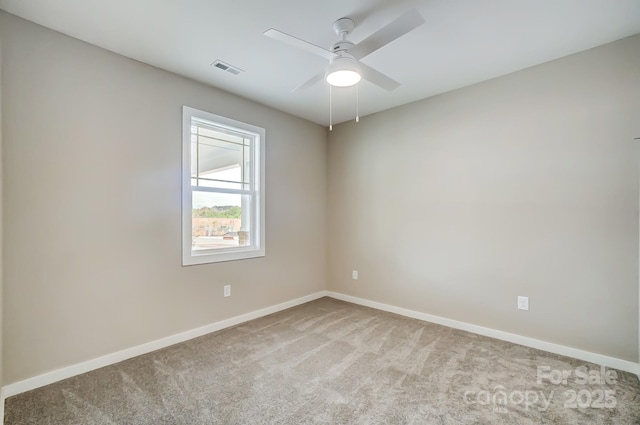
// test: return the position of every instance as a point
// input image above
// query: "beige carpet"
(331, 362)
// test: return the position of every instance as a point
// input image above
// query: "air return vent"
(226, 67)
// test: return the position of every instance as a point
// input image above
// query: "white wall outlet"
(227, 290)
(523, 303)
(354, 274)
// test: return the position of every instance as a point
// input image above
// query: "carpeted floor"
(331, 362)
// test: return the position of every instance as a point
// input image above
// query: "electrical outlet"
(227, 290)
(354, 274)
(523, 303)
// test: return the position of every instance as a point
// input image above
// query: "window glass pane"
(226, 178)
(219, 158)
(214, 156)
(217, 220)
(212, 131)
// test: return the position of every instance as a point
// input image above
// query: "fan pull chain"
(330, 116)
(357, 102)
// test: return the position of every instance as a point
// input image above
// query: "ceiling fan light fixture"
(343, 72)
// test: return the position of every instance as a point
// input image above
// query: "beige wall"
(92, 137)
(523, 185)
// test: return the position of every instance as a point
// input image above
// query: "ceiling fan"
(345, 68)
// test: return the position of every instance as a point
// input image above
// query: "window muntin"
(223, 178)
(220, 158)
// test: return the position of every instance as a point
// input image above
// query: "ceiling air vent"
(226, 67)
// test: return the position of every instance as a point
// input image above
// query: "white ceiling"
(461, 43)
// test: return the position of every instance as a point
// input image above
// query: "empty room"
(320, 212)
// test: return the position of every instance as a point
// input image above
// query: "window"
(222, 189)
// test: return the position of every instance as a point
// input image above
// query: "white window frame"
(257, 228)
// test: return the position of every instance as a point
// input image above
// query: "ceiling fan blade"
(311, 81)
(378, 78)
(385, 35)
(300, 44)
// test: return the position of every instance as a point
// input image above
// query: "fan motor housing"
(342, 46)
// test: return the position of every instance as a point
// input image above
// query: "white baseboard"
(109, 359)
(588, 356)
